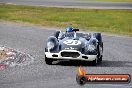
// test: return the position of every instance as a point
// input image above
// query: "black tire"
(56, 34)
(100, 59)
(100, 44)
(99, 56)
(94, 62)
(48, 60)
(99, 37)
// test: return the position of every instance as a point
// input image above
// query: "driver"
(69, 29)
(69, 33)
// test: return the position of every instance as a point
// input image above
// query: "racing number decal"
(72, 42)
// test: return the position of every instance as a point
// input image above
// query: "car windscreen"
(71, 34)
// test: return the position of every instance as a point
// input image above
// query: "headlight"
(91, 47)
(50, 45)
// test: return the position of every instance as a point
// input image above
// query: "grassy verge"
(109, 0)
(112, 21)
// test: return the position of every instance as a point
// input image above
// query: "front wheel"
(48, 60)
(94, 62)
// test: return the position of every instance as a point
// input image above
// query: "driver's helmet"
(69, 29)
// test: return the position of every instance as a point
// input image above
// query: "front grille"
(70, 54)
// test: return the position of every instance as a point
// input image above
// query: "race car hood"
(72, 44)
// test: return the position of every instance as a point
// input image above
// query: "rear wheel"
(48, 60)
(99, 38)
(99, 47)
(99, 56)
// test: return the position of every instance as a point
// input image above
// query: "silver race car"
(73, 45)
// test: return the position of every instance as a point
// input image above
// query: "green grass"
(111, 21)
(109, 0)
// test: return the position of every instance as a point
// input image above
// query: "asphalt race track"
(72, 4)
(31, 39)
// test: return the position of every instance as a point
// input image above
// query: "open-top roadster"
(73, 45)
